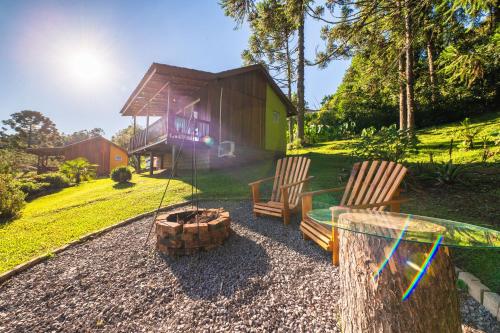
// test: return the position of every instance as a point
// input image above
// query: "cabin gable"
(275, 122)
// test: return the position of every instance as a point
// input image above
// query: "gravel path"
(265, 278)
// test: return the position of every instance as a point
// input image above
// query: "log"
(371, 304)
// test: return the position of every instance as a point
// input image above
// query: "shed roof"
(59, 151)
(150, 96)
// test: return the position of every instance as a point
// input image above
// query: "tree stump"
(376, 305)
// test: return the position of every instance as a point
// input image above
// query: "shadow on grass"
(121, 186)
(233, 267)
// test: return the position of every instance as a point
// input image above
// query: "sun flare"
(86, 66)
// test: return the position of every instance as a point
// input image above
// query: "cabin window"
(118, 158)
(276, 117)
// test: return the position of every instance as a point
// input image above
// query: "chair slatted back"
(290, 170)
(373, 182)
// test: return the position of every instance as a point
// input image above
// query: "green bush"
(78, 169)
(36, 185)
(388, 143)
(33, 189)
(11, 197)
(55, 179)
(468, 133)
(296, 144)
(121, 174)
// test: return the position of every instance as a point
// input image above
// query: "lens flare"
(393, 249)
(423, 268)
(208, 141)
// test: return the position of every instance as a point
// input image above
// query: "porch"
(181, 128)
(177, 98)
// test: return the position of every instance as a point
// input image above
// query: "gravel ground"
(265, 278)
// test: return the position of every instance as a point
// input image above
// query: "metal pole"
(220, 114)
(168, 111)
(147, 129)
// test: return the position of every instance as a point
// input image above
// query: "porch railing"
(181, 129)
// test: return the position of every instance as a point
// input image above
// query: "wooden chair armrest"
(335, 189)
(260, 181)
(296, 183)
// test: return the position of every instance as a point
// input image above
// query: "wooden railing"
(181, 129)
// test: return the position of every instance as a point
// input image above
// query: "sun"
(86, 65)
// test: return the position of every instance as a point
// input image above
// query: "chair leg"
(335, 247)
(286, 217)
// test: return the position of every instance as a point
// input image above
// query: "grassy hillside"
(56, 219)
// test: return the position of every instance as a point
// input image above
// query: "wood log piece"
(376, 305)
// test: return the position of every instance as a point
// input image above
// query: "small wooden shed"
(97, 150)
(243, 108)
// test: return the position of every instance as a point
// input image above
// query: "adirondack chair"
(371, 185)
(289, 180)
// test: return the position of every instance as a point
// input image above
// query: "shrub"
(55, 179)
(443, 173)
(296, 144)
(33, 189)
(121, 174)
(388, 143)
(11, 197)
(468, 133)
(36, 185)
(78, 169)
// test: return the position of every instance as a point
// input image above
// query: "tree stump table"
(396, 274)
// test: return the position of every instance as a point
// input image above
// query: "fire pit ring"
(187, 231)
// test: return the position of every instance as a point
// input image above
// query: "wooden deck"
(181, 129)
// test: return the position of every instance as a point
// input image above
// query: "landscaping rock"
(477, 289)
(491, 301)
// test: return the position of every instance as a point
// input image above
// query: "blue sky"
(40, 43)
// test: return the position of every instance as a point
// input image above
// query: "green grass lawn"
(54, 220)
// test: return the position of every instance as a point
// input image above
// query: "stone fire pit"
(186, 232)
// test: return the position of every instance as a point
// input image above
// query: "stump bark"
(376, 305)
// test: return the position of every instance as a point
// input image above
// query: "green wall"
(275, 125)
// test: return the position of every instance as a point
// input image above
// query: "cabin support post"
(174, 167)
(167, 128)
(151, 162)
(135, 124)
(161, 162)
(147, 130)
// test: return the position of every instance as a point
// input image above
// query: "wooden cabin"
(97, 150)
(211, 113)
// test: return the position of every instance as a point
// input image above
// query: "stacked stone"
(177, 239)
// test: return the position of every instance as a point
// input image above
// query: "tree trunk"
(402, 92)
(410, 98)
(30, 133)
(289, 86)
(300, 79)
(369, 305)
(430, 61)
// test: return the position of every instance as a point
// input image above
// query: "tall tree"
(272, 44)
(123, 136)
(402, 91)
(82, 135)
(30, 129)
(296, 10)
(409, 36)
(371, 27)
(301, 104)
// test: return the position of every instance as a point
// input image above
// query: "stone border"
(24, 266)
(481, 293)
